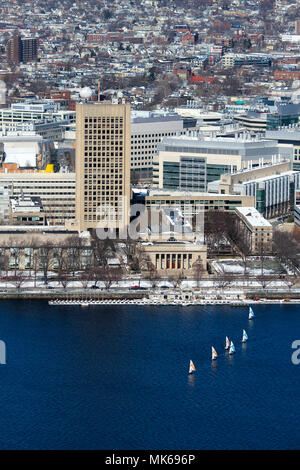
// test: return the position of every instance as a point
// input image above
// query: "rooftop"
(253, 217)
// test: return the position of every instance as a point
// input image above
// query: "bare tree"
(101, 250)
(35, 265)
(128, 247)
(4, 261)
(97, 274)
(46, 259)
(63, 278)
(86, 277)
(262, 257)
(290, 281)
(286, 247)
(223, 280)
(264, 280)
(73, 256)
(105, 275)
(18, 279)
(117, 275)
(152, 275)
(198, 271)
(176, 279)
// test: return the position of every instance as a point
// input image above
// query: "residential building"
(21, 49)
(29, 49)
(287, 74)
(13, 49)
(237, 60)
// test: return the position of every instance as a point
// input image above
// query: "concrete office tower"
(102, 165)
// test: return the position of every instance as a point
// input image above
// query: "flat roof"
(195, 141)
(271, 177)
(174, 193)
(253, 217)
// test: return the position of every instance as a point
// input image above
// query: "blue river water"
(116, 377)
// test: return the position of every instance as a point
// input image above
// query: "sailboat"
(251, 313)
(232, 348)
(214, 354)
(245, 337)
(192, 368)
(227, 343)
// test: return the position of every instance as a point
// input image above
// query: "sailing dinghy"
(251, 313)
(214, 354)
(232, 348)
(192, 368)
(245, 337)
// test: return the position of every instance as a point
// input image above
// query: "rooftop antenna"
(99, 90)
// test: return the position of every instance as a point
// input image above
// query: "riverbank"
(156, 296)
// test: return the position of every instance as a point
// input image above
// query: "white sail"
(227, 343)
(214, 354)
(232, 348)
(192, 368)
(251, 313)
(245, 336)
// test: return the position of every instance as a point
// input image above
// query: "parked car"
(164, 287)
(134, 287)
(50, 287)
(94, 287)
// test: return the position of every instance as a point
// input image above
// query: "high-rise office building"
(102, 165)
(21, 49)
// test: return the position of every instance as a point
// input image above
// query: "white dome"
(86, 92)
(296, 84)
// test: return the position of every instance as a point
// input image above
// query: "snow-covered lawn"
(235, 266)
